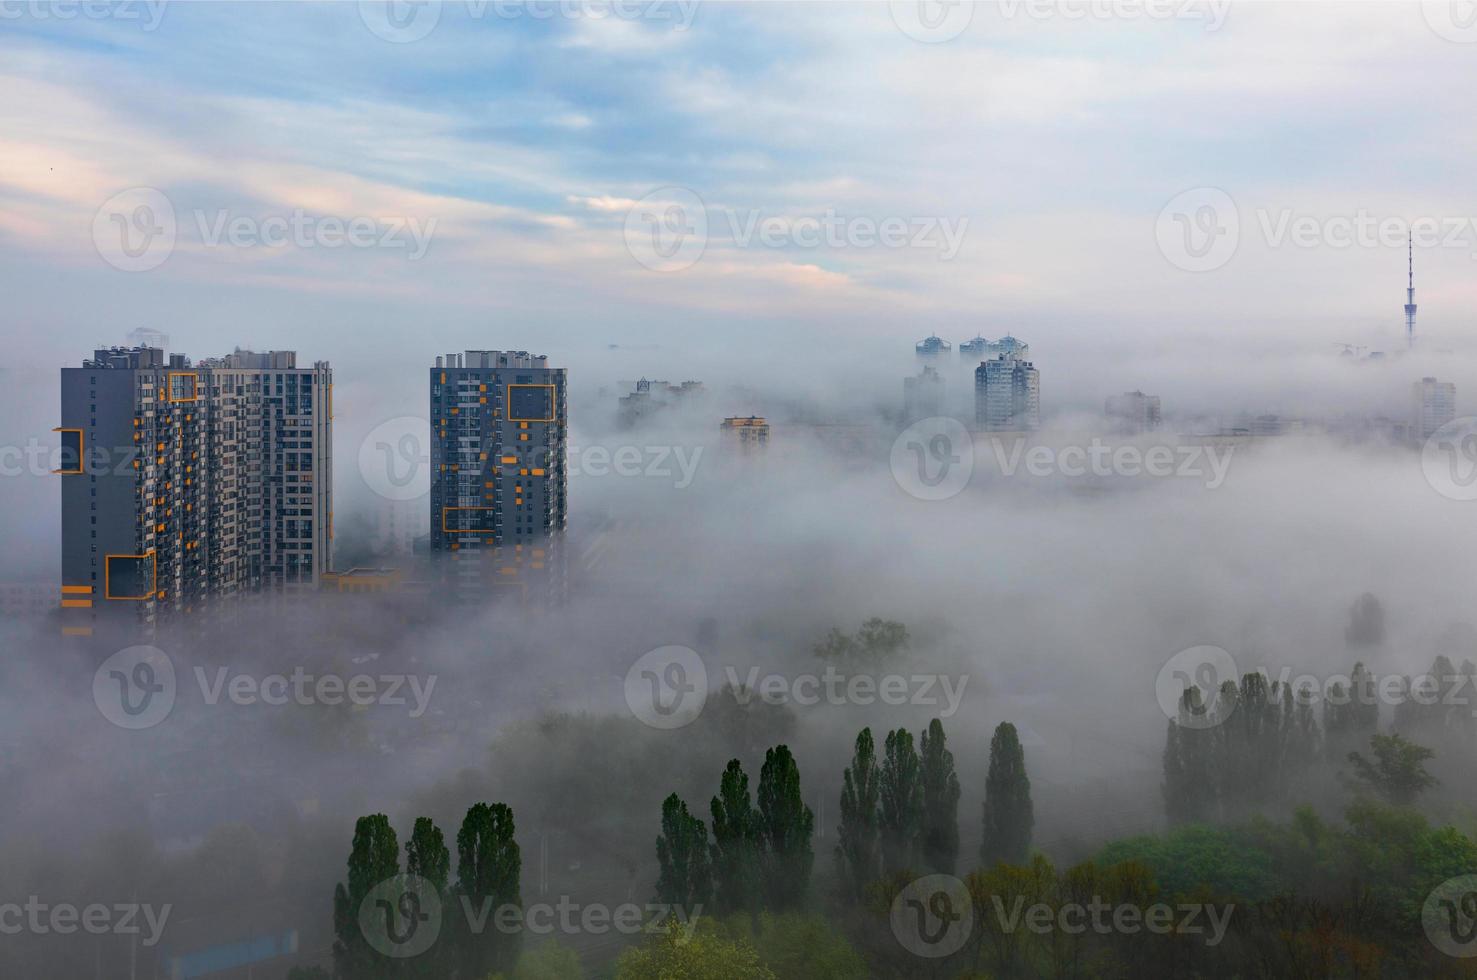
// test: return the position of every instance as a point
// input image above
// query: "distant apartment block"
(183, 483)
(923, 395)
(932, 347)
(649, 397)
(499, 479)
(980, 349)
(1134, 412)
(744, 436)
(1433, 405)
(1007, 395)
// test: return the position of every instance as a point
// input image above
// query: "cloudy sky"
(1046, 140)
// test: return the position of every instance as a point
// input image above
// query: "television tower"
(1410, 295)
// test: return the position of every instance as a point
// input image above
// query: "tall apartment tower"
(499, 482)
(1433, 405)
(923, 395)
(1134, 412)
(183, 483)
(741, 437)
(1007, 395)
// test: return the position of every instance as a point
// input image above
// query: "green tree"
(373, 858)
(427, 857)
(857, 855)
(1398, 772)
(426, 854)
(686, 877)
(1008, 815)
(549, 961)
(940, 837)
(900, 814)
(786, 826)
(703, 956)
(489, 870)
(735, 859)
(878, 642)
(799, 947)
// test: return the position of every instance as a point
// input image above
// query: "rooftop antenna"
(1410, 294)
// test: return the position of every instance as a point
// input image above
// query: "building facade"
(739, 436)
(1007, 395)
(923, 395)
(1433, 404)
(499, 477)
(980, 349)
(1134, 411)
(183, 483)
(931, 347)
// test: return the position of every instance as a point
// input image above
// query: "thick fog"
(1051, 601)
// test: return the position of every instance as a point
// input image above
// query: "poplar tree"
(373, 858)
(857, 857)
(735, 856)
(489, 869)
(1008, 815)
(901, 811)
(940, 837)
(786, 826)
(685, 880)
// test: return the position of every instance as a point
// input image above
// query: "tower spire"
(1410, 293)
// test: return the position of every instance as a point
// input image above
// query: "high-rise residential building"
(1007, 395)
(980, 349)
(183, 483)
(1433, 405)
(932, 346)
(923, 395)
(499, 477)
(744, 436)
(1134, 412)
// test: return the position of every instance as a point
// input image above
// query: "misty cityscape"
(561, 489)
